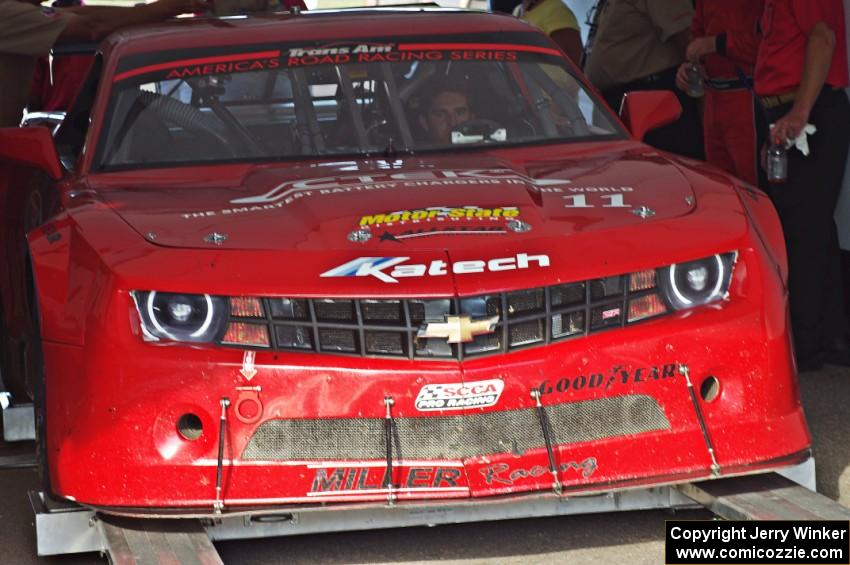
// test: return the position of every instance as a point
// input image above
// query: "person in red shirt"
(724, 39)
(55, 83)
(800, 75)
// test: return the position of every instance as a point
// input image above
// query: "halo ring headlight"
(181, 317)
(704, 280)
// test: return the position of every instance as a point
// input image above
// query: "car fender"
(762, 215)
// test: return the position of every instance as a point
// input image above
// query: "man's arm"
(819, 50)
(93, 23)
(569, 40)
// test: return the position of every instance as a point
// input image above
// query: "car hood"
(464, 201)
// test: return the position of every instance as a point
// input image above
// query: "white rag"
(802, 141)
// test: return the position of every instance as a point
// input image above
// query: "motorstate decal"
(479, 394)
(440, 213)
(369, 181)
(390, 269)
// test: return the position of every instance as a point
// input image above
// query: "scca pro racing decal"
(390, 269)
(479, 394)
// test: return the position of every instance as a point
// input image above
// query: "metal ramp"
(65, 528)
(157, 542)
(763, 497)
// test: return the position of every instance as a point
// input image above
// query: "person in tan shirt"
(639, 45)
(29, 31)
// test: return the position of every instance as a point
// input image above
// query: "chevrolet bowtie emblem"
(459, 329)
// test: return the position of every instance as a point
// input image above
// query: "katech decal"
(440, 214)
(477, 394)
(377, 267)
(615, 376)
(364, 479)
(502, 474)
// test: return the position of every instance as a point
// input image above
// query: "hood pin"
(518, 226)
(644, 212)
(215, 238)
(360, 236)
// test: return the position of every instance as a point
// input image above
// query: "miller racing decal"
(479, 394)
(390, 269)
(503, 474)
(362, 480)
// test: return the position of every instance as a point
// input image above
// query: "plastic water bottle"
(696, 85)
(777, 164)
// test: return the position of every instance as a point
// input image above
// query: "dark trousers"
(684, 136)
(806, 204)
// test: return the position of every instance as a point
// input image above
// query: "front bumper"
(69, 530)
(310, 428)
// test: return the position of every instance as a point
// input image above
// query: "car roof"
(308, 26)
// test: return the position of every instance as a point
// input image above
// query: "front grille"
(454, 437)
(389, 327)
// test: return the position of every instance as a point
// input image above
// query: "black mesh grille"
(390, 327)
(454, 437)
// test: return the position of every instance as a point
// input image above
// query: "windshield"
(347, 99)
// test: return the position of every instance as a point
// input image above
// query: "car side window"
(71, 136)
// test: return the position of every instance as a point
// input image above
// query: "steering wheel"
(188, 117)
(480, 127)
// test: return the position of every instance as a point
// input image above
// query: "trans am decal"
(276, 56)
(377, 267)
(479, 394)
(336, 54)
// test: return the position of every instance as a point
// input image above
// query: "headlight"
(196, 318)
(699, 282)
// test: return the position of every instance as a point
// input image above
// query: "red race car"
(405, 257)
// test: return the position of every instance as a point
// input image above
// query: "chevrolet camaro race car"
(345, 260)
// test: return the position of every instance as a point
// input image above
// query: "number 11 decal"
(580, 201)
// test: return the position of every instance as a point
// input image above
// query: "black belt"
(744, 83)
(777, 101)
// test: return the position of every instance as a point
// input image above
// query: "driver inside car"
(445, 108)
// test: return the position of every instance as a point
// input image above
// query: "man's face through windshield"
(447, 110)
